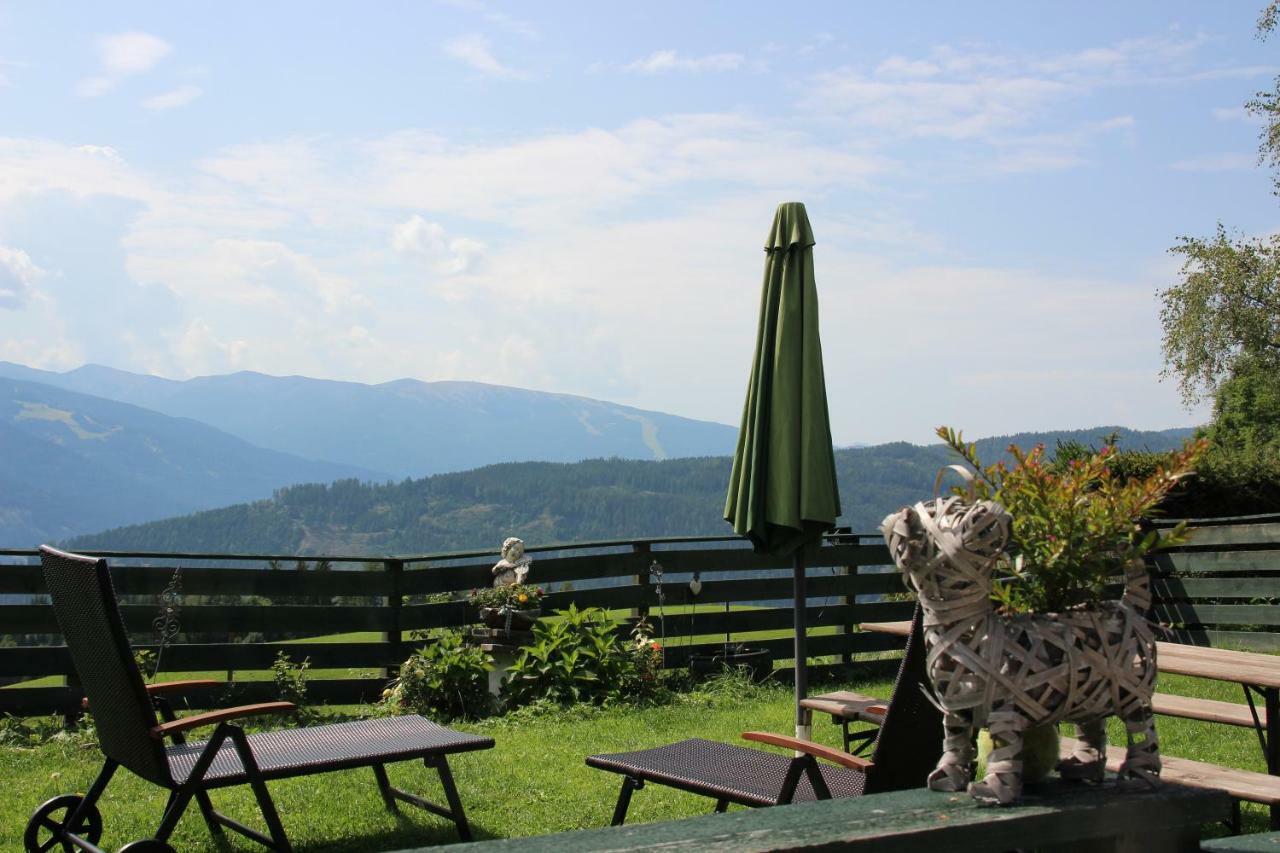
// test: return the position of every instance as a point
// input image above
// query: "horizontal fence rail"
(239, 611)
(1221, 588)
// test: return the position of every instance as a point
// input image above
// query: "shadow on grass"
(411, 831)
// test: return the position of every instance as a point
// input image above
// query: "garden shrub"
(291, 686)
(580, 657)
(446, 680)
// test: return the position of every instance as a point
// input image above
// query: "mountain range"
(73, 463)
(403, 428)
(96, 448)
(543, 503)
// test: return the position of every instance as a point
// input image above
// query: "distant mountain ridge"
(546, 503)
(405, 428)
(72, 463)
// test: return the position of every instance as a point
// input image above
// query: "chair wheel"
(147, 845)
(47, 825)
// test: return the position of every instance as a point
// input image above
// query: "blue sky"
(572, 197)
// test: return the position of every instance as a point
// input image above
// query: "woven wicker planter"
(1009, 674)
(504, 619)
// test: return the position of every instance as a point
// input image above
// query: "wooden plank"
(1263, 641)
(335, 691)
(39, 661)
(1057, 815)
(1207, 710)
(21, 580)
(1235, 535)
(1217, 562)
(1217, 614)
(451, 614)
(743, 559)
(895, 628)
(782, 648)
(781, 588)
(1241, 784)
(608, 597)
(151, 580)
(1177, 588)
(717, 621)
(437, 579)
(1221, 664)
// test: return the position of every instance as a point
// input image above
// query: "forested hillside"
(548, 502)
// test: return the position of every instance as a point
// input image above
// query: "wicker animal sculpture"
(1012, 673)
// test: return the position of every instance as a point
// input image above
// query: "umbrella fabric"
(782, 492)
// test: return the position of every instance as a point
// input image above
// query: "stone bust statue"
(514, 566)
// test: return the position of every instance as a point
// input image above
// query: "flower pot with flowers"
(513, 607)
(1016, 575)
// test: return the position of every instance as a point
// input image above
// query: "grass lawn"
(533, 782)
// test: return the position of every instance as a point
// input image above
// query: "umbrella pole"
(804, 730)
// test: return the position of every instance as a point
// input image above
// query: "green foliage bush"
(580, 657)
(290, 680)
(445, 680)
(1227, 482)
(1075, 521)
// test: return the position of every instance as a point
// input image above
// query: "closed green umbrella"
(782, 492)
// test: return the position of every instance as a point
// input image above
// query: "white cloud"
(122, 55)
(977, 94)
(475, 51)
(898, 67)
(1223, 162)
(178, 97)
(92, 87)
(18, 275)
(670, 60)
(449, 256)
(131, 53)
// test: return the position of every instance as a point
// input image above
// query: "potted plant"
(1016, 574)
(513, 607)
(757, 662)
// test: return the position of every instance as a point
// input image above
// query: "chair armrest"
(808, 747)
(178, 686)
(210, 717)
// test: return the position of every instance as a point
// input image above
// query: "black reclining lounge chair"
(131, 736)
(907, 748)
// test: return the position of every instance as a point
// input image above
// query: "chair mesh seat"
(723, 770)
(289, 752)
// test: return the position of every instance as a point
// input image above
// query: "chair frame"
(196, 786)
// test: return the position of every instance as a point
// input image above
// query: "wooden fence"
(1220, 589)
(230, 597)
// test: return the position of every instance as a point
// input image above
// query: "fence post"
(846, 657)
(395, 598)
(642, 611)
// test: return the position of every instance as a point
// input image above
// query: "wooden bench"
(1246, 785)
(846, 707)
(1207, 710)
